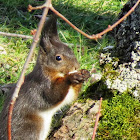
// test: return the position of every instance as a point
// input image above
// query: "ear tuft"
(50, 28)
(49, 32)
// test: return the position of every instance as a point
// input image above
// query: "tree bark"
(127, 34)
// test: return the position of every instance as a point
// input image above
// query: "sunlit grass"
(121, 118)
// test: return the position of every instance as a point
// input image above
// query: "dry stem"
(97, 119)
(16, 35)
(20, 81)
(99, 35)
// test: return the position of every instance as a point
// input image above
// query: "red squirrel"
(54, 82)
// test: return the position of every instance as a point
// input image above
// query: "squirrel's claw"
(80, 76)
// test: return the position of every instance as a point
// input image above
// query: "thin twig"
(21, 79)
(97, 119)
(99, 35)
(120, 20)
(16, 35)
(72, 25)
(30, 7)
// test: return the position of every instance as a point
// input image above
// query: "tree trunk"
(127, 35)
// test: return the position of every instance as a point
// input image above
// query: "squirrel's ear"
(49, 32)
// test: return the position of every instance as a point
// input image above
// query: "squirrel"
(54, 82)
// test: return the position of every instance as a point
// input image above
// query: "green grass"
(120, 113)
(13, 61)
(121, 119)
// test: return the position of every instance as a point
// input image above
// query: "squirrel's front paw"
(80, 76)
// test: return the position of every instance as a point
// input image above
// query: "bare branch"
(16, 35)
(97, 119)
(21, 79)
(120, 20)
(99, 35)
(30, 8)
(72, 25)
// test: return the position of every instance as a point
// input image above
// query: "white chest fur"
(47, 115)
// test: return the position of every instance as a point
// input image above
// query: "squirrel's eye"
(58, 58)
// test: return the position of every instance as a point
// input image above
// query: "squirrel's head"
(54, 55)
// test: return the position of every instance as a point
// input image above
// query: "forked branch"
(95, 37)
